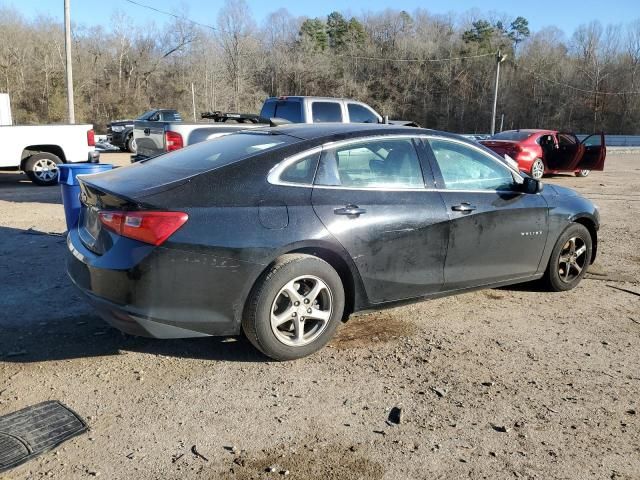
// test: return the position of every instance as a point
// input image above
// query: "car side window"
(593, 141)
(360, 114)
(374, 164)
(301, 171)
(326, 112)
(465, 168)
(566, 139)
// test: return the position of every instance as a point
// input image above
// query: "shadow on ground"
(44, 318)
(16, 187)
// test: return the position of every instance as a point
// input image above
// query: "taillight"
(526, 154)
(91, 138)
(173, 141)
(146, 226)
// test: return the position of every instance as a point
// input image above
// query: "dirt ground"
(504, 383)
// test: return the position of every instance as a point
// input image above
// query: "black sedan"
(284, 232)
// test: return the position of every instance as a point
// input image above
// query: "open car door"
(566, 154)
(594, 153)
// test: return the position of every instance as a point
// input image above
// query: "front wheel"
(583, 173)
(131, 144)
(570, 258)
(295, 308)
(42, 168)
(537, 169)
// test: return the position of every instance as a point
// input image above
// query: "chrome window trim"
(273, 177)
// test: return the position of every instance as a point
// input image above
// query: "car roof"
(531, 130)
(312, 97)
(316, 131)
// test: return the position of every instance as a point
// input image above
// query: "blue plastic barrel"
(70, 187)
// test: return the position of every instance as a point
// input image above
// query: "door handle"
(147, 131)
(351, 210)
(464, 207)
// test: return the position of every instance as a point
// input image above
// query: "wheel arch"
(355, 294)
(31, 150)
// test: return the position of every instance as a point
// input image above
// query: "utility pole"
(67, 48)
(193, 102)
(499, 59)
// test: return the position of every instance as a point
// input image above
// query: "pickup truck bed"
(155, 138)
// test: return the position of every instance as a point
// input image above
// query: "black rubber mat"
(34, 430)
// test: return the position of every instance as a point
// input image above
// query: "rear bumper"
(135, 323)
(166, 293)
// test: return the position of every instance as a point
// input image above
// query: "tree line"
(437, 70)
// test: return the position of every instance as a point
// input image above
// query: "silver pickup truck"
(155, 138)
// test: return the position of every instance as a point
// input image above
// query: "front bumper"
(160, 292)
(117, 139)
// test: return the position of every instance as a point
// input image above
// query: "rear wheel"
(570, 258)
(42, 168)
(583, 173)
(537, 169)
(295, 308)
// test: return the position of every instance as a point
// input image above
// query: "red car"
(540, 152)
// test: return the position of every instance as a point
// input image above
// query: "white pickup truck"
(38, 149)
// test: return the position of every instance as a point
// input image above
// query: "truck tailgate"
(149, 137)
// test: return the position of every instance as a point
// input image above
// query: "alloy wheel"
(301, 311)
(572, 260)
(45, 169)
(537, 169)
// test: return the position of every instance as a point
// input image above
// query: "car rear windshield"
(514, 135)
(287, 109)
(219, 152)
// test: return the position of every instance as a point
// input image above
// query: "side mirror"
(531, 185)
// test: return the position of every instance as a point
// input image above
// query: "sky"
(564, 14)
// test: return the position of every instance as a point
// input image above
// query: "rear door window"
(361, 114)
(301, 171)
(383, 163)
(171, 117)
(290, 110)
(326, 112)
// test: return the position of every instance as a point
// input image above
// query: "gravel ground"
(502, 383)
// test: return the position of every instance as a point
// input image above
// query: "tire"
(583, 173)
(294, 276)
(560, 275)
(537, 169)
(130, 144)
(42, 168)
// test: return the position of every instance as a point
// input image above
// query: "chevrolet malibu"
(283, 232)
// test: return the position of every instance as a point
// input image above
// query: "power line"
(164, 12)
(572, 87)
(416, 60)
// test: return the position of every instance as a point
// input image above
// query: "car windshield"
(514, 135)
(219, 152)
